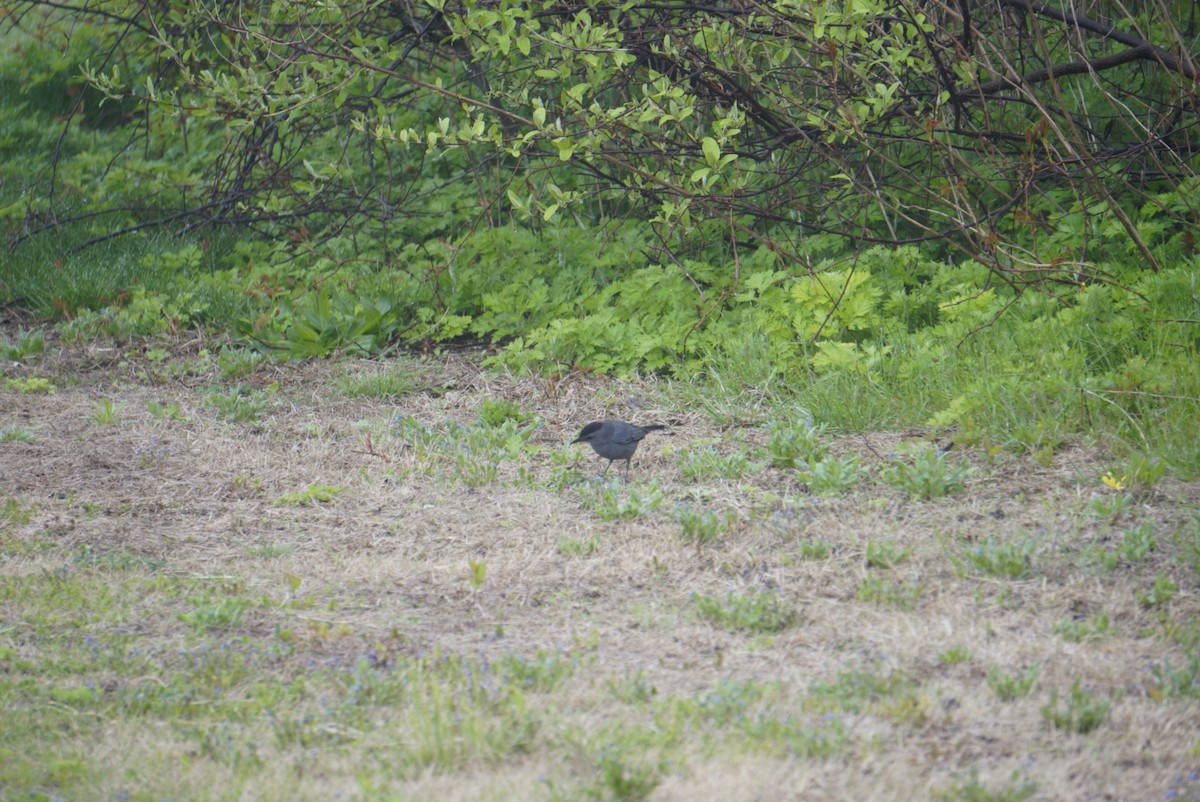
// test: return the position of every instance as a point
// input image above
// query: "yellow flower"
(1116, 483)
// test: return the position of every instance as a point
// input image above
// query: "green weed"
(793, 446)
(999, 559)
(929, 475)
(1159, 594)
(397, 382)
(106, 412)
(812, 550)
(32, 385)
(166, 411)
(313, 494)
(1009, 687)
(886, 554)
(880, 592)
(831, 475)
(955, 655)
(569, 547)
(16, 434)
(972, 790)
(223, 614)
(28, 344)
(702, 528)
(613, 501)
(1089, 629)
(1172, 682)
(237, 363)
(761, 612)
(706, 463)
(1082, 713)
(239, 403)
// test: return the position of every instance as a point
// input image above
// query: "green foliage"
(313, 494)
(495, 224)
(929, 475)
(1082, 713)
(1159, 594)
(569, 547)
(613, 501)
(707, 463)
(702, 528)
(1000, 559)
(496, 412)
(813, 550)
(955, 655)
(224, 613)
(760, 612)
(831, 475)
(16, 434)
(1009, 687)
(793, 446)
(31, 384)
(972, 790)
(326, 321)
(237, 363)
(886, 554)
(239, 402)
(1177, 682)
(471, 454)
(107, 412)
(28, 344)
(1077, 631)
(901, 596)
(397, 381)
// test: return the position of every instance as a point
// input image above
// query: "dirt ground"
(388, 563)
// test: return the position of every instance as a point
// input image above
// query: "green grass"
(758, 612)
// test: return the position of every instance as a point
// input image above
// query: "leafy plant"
(793, 446)
(239, 403)
(760, 612)
(972, 790)
(237, 363)
(889, 594)
(28, 344)
(929, 475)
(16, 434)
(702, 528)
(1177, 682)
(107, 412)
(1082, 714)
(30, 384)
(1078, 631)
(166, 411)
(886, 554)
(831, 475)
(570, 547)
(224, 614)
(1000, 559)
(813, 550)
(1159, 594)
(313, 494)
(1010, 687)
(498, 411)
(954, 655)
(613, 501)
(707, 463)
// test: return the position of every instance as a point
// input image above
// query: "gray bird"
(614, 439)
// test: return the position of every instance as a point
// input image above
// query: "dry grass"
(384, 568)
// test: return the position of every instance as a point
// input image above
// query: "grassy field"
(225, 579)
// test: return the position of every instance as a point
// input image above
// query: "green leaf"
(712, 151)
